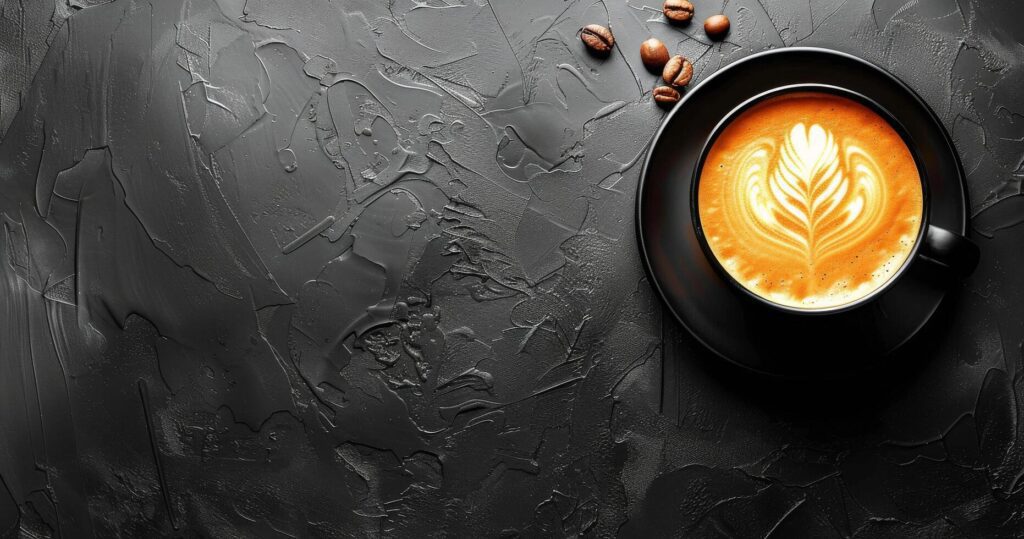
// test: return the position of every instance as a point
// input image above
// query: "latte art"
(810, 200)
(810, 197)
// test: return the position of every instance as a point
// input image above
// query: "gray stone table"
(368, 268)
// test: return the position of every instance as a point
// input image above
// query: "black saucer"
(716, 313)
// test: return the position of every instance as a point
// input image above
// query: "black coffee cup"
(952, 252)
(758, 334)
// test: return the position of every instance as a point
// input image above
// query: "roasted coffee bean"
(716, 26)
(678, 71)
(665, 95)
(677, 10)
(597, 38)
(654, 54)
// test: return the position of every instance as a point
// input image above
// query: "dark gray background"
(355, 268)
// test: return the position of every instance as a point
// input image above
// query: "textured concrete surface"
(364, 268)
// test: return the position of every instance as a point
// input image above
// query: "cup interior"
(809, 88)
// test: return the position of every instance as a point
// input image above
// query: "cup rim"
(820, 88)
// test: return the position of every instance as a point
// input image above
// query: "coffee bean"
(598, 39)
(678, 71)
(716, 26)
(677, 10)
(665, 95)
(654, 54)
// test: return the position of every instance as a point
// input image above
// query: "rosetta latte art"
(811, 197)
(810, 200)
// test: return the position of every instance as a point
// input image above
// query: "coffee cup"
(812, 199)
(756, 325)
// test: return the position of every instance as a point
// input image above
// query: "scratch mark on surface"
(155, 448)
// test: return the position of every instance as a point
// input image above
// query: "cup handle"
(950, 250)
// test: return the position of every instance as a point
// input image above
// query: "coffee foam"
(810, 200)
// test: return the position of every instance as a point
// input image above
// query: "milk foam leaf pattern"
(816, 198)
(760, 213)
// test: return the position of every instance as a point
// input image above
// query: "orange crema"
(810, 200)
